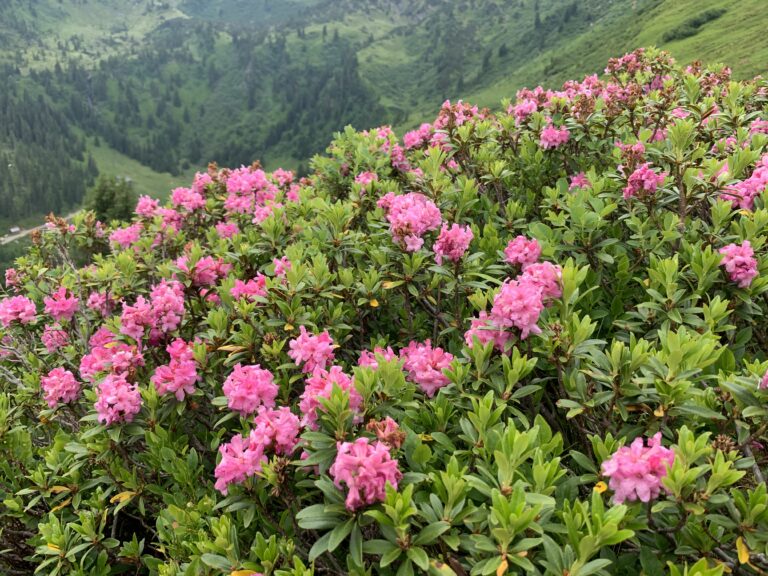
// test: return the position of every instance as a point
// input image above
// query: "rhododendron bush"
(525, 342)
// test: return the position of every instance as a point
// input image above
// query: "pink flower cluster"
(552, 137)
(60, 305)
(319, 386)
(161, 314)
(518, 305)
(311, 351)
(425, 366)
(740, 263)
(523, 109)
(243, 457)
(118, 400)
(410, 216)
(188, 199)
(368, 358)
(108, 355)
(579, 180)
(743, 194)
(59, 385)
(227, 229)
(452, 243)
(147, 207)
(180, 374)
(643, 181)
(522, 251)
(248, 190)
(365, 468)
(128, 236)
(101, 302)
(417, 138)
(249, 387)
(365, 178)
(17, 309)
(282, 265)
(251, 289)
(204, 272)
(636, 471)
(54, 338)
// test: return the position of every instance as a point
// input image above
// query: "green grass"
(145, 180)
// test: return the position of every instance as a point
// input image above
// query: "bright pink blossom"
(147, 207)
(522, 251)
(366, 468)
(249, 387)
(579, 180)
(59, 385)
(251, 289)
(204, 272)
(518, 305)
(546, 276)
(764, 382)
(320, 385)
(410, 216)
(61, 305)
(277, 428)
(365, 178)
(636, 471)
(17, 309)
(282, 265)
(486, 331)
(128, 236)
(54, 338)
(643, 181)
(740, 263)
(743, 194)
(368, 358)
(188, 199)
(425, 366)
(311, 351)
(552, 137)
(240, 459)
(227, 229)
(11, 278)
(180, 374)
(452, 242)
(101, 302)
(118, 400)
(417, 138)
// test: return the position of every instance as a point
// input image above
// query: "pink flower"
(204, 272)
(579, 180)
(486, 331)
(17, 309)
(147, 207)
(365, 178)
(251, 289)
(636, 471)
(546, 276)
(59, 386)
(118, 400)
(522, 251)
(240, 459)
(136, 318)
(101, 303)
(187, 198)
(643, 181)
(283, 177)
(523, 109)
(368, 358)
(227, 229)
(128, 236)
(109, 356)
(743, 194)
(249, 387)
(410, 216)
(60, 305)
(764, 382)
(313, 351)
(552, 137)
(320, 385)
(278, 428)
(167, 305)
(518, 305)
(740, 263)
(54, 338)
(11, 278)
(282, 265)
(366, 469)
(452, 242)
(180, 375)
(417, 138)
(425, 366)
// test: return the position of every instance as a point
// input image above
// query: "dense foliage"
(528, 342)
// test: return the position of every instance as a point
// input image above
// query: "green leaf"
(216, 561)
(431, 533)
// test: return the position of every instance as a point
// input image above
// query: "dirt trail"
(13, 237)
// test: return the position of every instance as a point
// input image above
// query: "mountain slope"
(173, 84)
